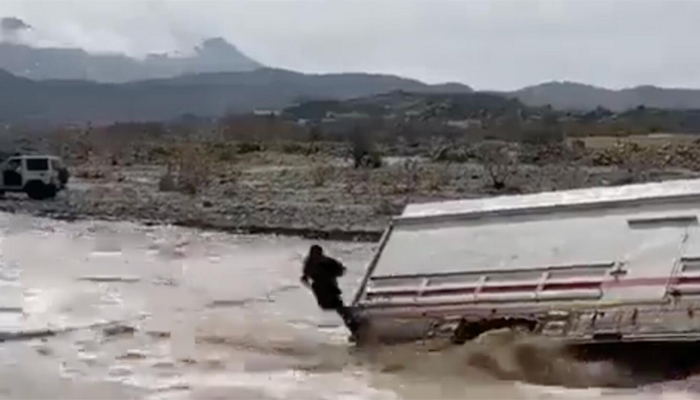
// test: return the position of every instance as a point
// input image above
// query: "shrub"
(294, 148)
(438, 177)
(167, 183)
(385, 207)
(249, 147)
(194, 171)
(363, 152)
(191, 172)
(90, 173)
(225, 152)
(498, 163)
(321, 174)
(410, 174)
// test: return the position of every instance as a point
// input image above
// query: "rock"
(120, 371)
(163, 364)
(159, 334)
(119, 330)
(110, 278)
(215, 364)
(25, 335)
(133, 355)
(167, 183)
(44, 350)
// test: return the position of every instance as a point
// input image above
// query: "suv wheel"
(50, 191)
(38, 191)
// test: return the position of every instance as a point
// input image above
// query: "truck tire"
(37, 190)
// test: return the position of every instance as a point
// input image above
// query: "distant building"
(267, 113)
(464, 123)
(347, 115)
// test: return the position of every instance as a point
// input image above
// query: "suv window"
(37, 164)
(13, 165)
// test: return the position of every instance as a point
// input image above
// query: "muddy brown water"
(171, 313)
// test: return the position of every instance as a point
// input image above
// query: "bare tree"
(498, 162)
(189, 169)
(194, 169)
(363, 153)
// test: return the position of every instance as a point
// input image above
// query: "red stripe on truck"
(553, 286)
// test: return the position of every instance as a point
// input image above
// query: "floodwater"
(168, 313)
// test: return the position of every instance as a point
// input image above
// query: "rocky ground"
(322, 195)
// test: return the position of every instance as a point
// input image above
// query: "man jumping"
(323, 272)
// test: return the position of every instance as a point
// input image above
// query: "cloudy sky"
(494, 44)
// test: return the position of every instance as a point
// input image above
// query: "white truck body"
(602, 264)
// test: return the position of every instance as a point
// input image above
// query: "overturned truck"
(600, 265)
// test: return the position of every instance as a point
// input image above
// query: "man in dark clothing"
(323, 272)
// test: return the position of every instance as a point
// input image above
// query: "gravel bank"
(320, 200)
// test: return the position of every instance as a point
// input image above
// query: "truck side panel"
(632, 259)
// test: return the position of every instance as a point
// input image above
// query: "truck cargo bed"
(613, 264)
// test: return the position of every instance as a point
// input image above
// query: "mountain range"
(71, 85)
(212, 94)
(212, 55)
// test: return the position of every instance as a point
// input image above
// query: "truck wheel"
(36, 190)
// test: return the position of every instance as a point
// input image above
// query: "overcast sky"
(487, 44)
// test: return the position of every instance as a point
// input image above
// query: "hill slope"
(576, 96)
(419, 106)
(203, 94)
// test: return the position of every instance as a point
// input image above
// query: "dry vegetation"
(352, 185)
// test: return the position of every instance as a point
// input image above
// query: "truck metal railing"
(570, 282)
(687, 281)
